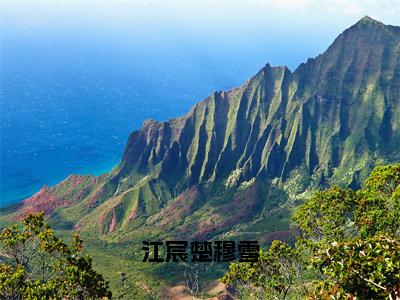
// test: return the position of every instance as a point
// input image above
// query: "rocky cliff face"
(332, 109)
(238, 154)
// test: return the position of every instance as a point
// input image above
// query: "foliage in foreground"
(349, 247)
(35, 264)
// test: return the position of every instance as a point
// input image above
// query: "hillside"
(239, 154)
(238, 162)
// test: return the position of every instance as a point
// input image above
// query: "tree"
(36, 264)
(349, 240)
(327, 215)
(277, 272)
(337, 214)
(358, 252)
(361, 268)
(378, 207)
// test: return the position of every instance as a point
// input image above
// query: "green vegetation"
(236, 166)
(278, 270)
(327, 123)
(35, 264)
(349, 247)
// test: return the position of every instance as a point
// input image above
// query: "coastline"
(10, 204)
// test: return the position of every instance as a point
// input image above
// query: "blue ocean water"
(70, 97)
(69, 108)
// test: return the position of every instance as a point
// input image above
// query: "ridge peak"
(367, 20)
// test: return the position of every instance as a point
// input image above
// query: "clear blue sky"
(209, 24)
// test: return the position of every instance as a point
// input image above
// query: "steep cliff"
(238, 155)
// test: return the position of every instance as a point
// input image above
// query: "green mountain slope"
(237, 157)
(236, 164)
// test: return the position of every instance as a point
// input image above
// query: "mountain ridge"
(239, 154)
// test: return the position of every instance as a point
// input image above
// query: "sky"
(229, 24)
